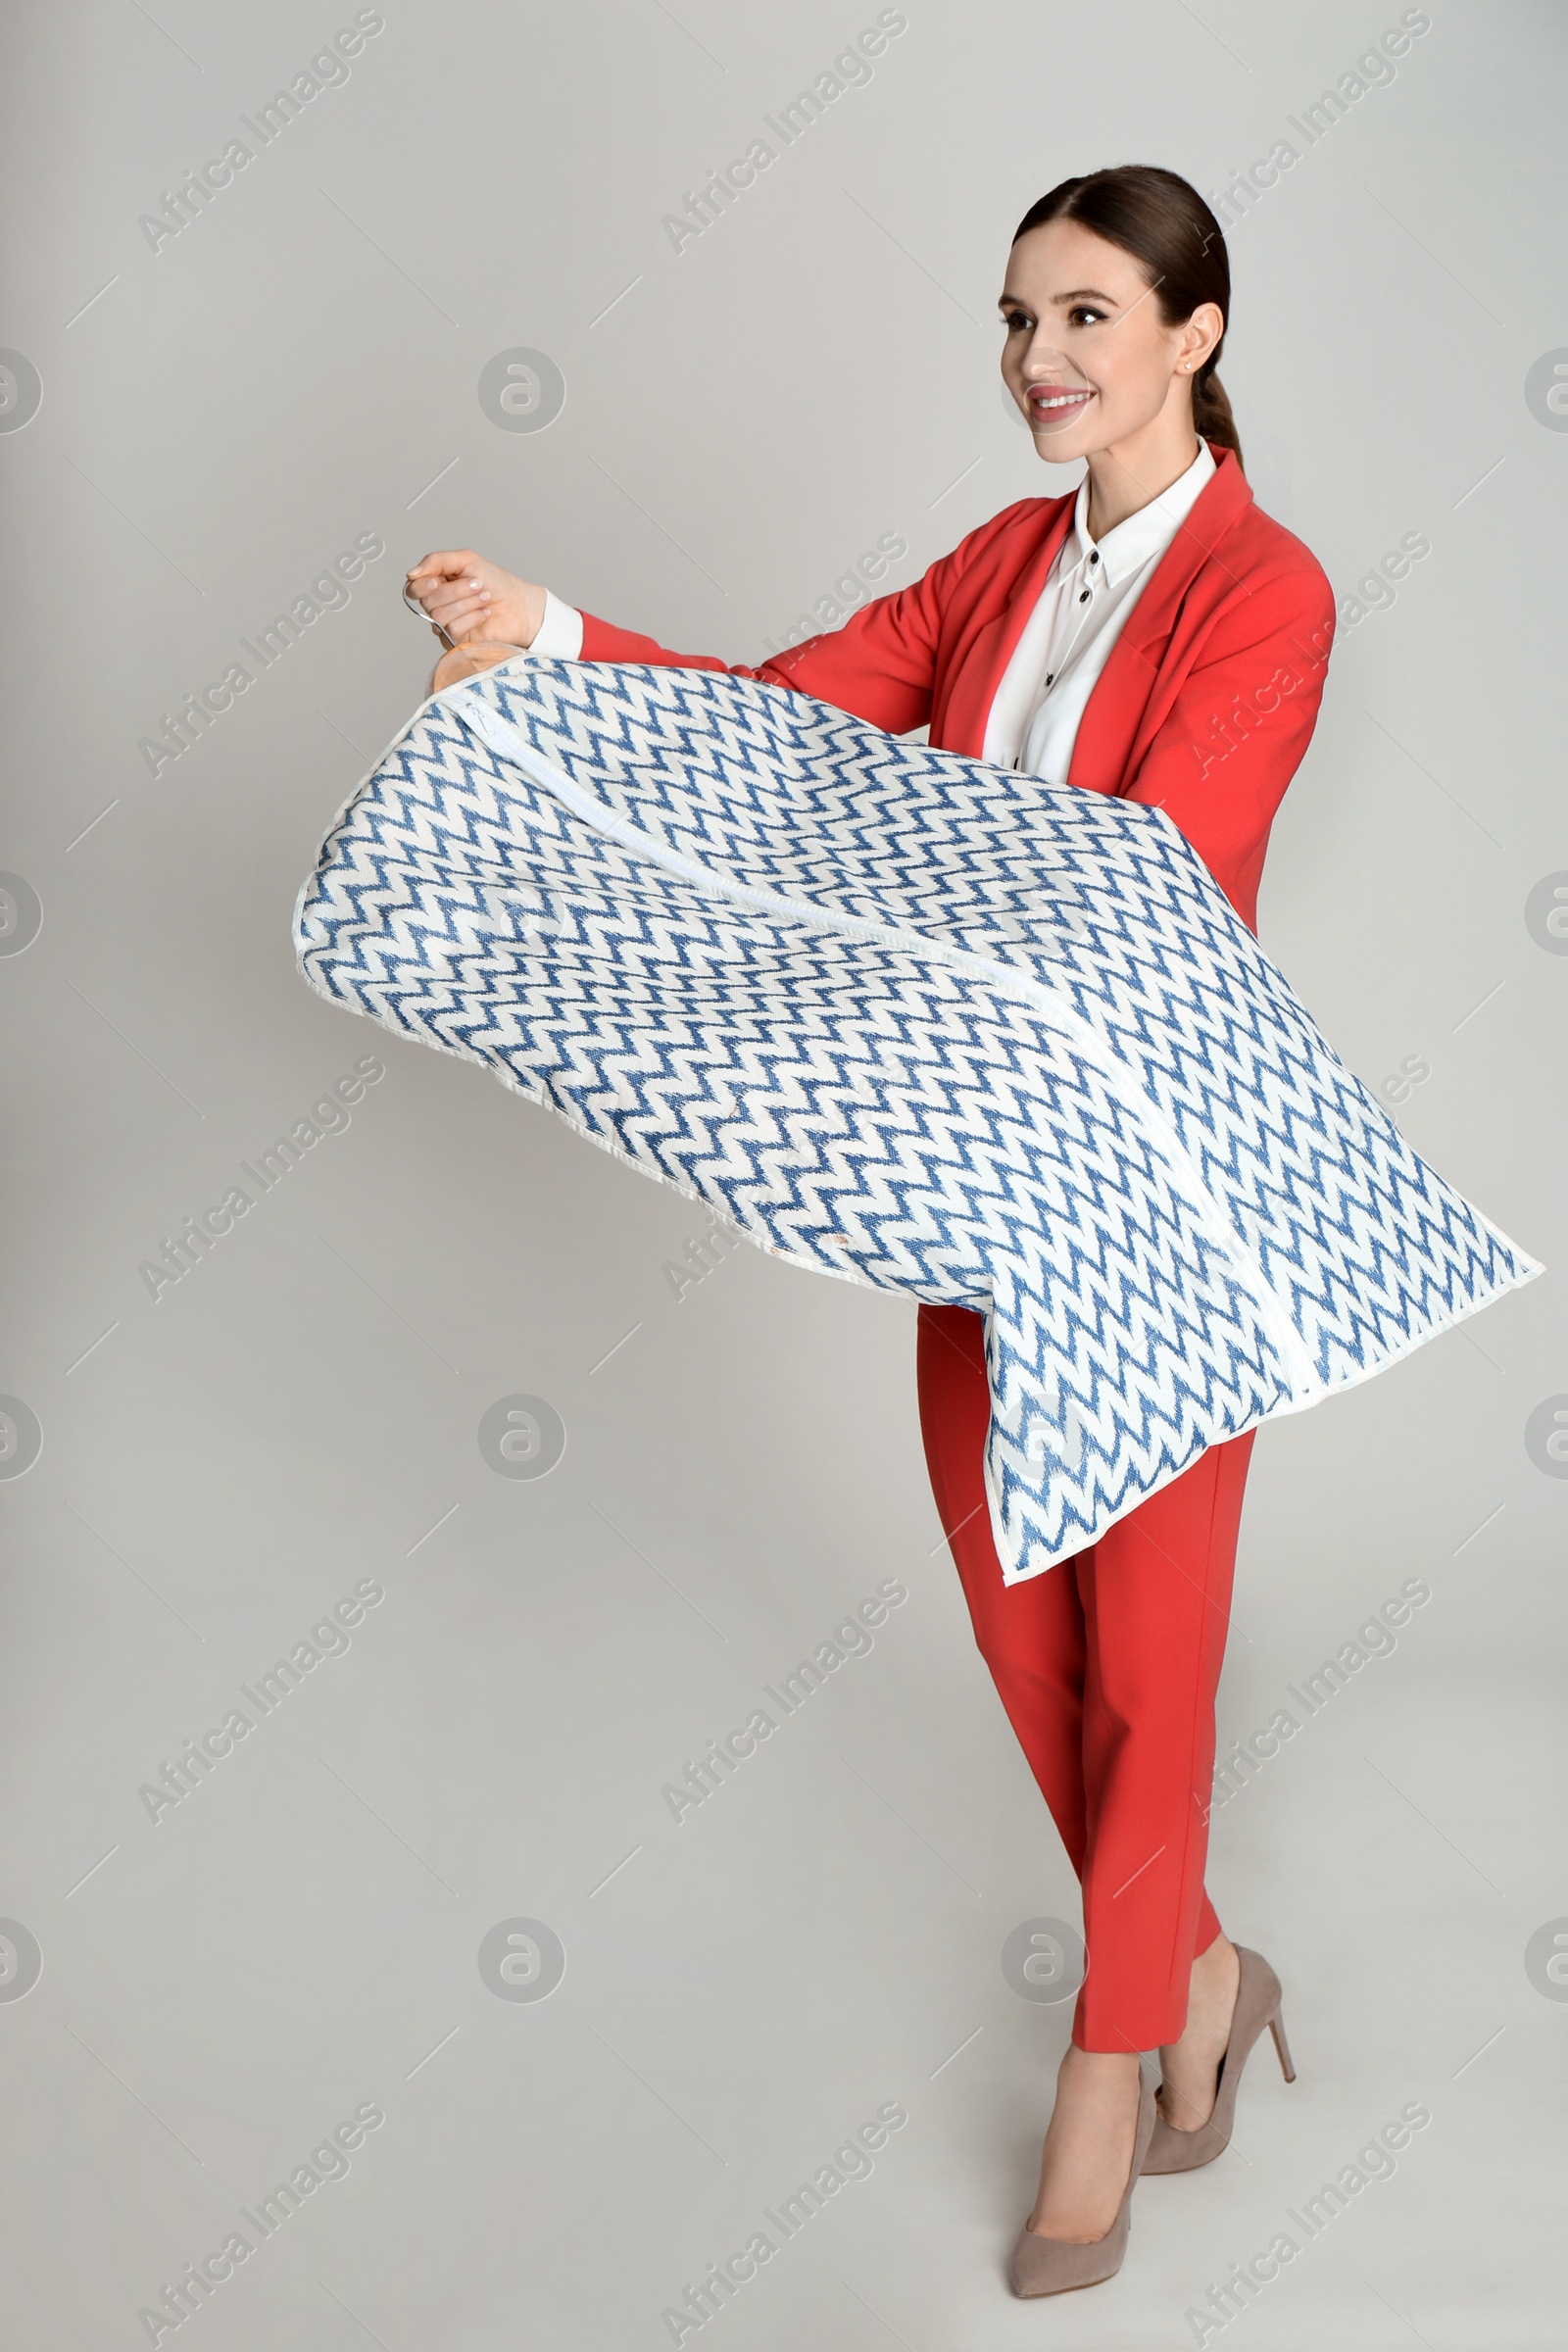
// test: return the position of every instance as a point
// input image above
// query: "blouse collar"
(1133, 543)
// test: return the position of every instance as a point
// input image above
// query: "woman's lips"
(1057, 403)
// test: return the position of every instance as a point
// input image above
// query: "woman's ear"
(1201, 333)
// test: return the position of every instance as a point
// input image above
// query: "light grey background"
(743, 417)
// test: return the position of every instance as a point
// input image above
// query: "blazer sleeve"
(881, 664)
(1239, 726)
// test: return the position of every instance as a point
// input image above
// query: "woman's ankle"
(1106, 2067)
(1219, 1966)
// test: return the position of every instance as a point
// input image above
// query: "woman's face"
(1088, 357)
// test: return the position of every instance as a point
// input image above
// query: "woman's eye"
(1082, 315)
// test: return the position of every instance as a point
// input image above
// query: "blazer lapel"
(1110, 724)
(982, 663)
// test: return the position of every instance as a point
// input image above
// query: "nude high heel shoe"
(1258, 2004)
(1049, 2266)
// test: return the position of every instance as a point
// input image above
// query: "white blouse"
(1079, 614)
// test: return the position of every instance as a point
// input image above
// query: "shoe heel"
(1282, 2048)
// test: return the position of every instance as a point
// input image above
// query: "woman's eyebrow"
(1076, 294)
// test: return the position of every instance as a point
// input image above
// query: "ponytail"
(1211, 411)
(1163, 223)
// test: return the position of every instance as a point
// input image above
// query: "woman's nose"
(1044, 359)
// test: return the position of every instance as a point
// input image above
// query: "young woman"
(1155, 636)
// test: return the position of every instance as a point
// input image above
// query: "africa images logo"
(850, 69)
(328, 69)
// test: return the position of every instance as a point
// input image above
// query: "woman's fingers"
(459, 624)
(435, 591)
(457, 616)
(452, 592)
(450, 565)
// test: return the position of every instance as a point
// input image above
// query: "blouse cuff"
(559, 636)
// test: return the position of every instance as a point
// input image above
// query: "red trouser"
(1107, 1666)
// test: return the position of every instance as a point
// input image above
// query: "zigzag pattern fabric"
(911, 1022)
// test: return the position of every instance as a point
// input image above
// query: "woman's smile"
(1061, 402)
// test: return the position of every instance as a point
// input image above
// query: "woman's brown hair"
(1163, 223)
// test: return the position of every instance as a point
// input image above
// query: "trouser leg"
(1108, 1667)
(1155, 1591)
(1031, 1636)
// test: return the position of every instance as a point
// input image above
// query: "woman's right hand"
(468, 598)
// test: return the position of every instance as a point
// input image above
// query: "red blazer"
(1204, 708)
